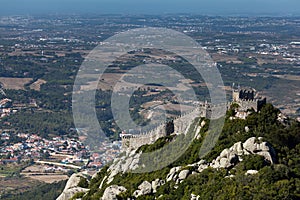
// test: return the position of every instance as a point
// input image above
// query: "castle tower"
(246, 99)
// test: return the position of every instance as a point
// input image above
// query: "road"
(58, 164)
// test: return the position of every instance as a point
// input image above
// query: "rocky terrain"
(250, 157)
(227, 159)
(72, 187)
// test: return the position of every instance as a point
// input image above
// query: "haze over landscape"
(210, 7)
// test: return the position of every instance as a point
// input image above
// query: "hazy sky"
(283, 7)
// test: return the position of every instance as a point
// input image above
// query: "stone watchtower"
(248, 99)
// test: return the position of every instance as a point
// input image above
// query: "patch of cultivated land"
(16, 185)
(289, 77)
(225, 58)
(9, 169)
(47, 178)
(37, 85)
(14, 83)
(37, 172)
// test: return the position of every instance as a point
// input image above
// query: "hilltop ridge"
(256, 157)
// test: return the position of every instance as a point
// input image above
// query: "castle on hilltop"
(179, 125)
(247, 99)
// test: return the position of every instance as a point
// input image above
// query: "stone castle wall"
(245, 98)
(181, 125)
(135, 141)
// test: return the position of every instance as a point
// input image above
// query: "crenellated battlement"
(248, 99)
(180, 126)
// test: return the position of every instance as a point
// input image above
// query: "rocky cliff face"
(227, 159)
(72, 188)
(124, 164)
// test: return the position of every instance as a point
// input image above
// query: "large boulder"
(183, 174)
(112, 191)
(227, 159)
(256, 146)
(251, 172)
(156, 184)
(73, 181)
(250, 145)
(172, 173)
(237, 148)
(230, 157)
(72, 188)
(143, 189)
(216, 163)
(225, 153)
(223, 163)
(195, 165)
(264, 146)
(68, 194)
(202, 167)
